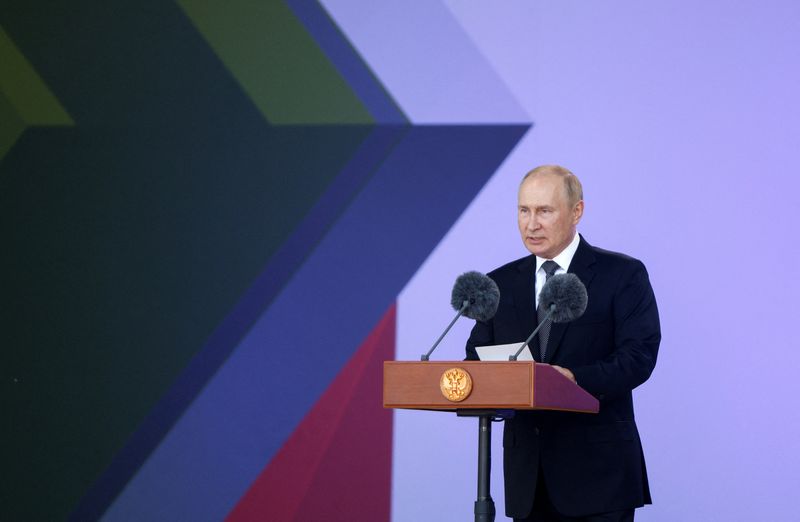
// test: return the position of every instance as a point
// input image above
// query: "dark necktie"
(550, 268)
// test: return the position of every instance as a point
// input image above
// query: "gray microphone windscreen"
(481, 292)
(568, 294)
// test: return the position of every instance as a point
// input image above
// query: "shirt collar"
(565, 257)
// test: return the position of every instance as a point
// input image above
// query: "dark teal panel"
(120, 255)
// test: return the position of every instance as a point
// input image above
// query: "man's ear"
(577, 212)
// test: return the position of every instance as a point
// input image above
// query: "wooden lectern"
(484, 389)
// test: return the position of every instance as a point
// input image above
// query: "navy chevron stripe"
(312, 328)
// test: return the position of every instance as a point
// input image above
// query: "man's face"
(546, 219)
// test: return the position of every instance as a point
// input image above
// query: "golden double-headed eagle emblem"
(456, 384)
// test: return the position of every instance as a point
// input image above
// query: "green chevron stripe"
(11, 126)
(25, 100)
(25, 90)
(276, 62)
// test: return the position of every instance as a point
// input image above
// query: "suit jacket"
(590, 463)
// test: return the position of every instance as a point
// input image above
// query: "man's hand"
(566, 373)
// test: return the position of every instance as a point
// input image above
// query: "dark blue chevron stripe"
(313, 326)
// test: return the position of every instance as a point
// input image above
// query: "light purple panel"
(426, 61)
(682, 120)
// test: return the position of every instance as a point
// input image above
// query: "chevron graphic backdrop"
(218, 219)
(204, 267)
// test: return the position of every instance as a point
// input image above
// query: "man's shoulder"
(587, 254)
(609, 260)
(611, 256)
(513, 268)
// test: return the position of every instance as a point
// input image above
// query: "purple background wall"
(681, 119)
(185, 185)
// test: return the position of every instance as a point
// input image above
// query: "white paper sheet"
(500, 352)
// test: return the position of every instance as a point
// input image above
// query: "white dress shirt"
(563, 260)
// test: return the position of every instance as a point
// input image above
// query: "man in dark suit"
(569, 466)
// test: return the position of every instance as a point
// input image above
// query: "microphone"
(474, 295)
(565, 298)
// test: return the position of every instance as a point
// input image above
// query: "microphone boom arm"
(464, 306)
(535, 331)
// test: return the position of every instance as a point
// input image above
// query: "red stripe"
(337, 463)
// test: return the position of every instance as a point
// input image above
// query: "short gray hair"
(572, 185)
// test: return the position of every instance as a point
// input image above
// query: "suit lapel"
(581, 267)
(523, 297)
